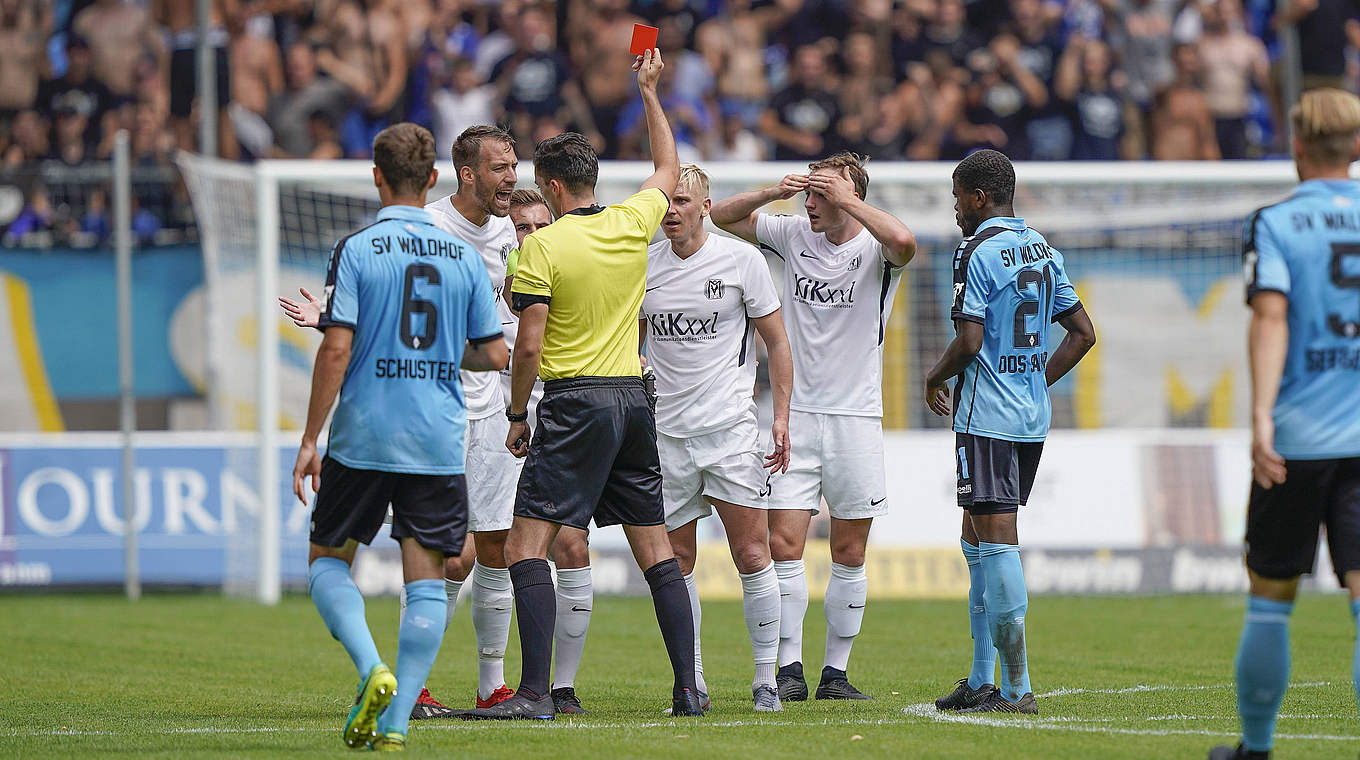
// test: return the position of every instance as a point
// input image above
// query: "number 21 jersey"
(1012, 282)
(1308, 248)
(414, 296)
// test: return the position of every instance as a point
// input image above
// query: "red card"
(644, 39)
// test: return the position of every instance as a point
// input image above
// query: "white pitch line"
(1141, 688)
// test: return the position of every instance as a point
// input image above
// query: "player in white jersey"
(706, 295)
(841, 269)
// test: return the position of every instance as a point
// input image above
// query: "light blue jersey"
(1308, 248)
(414, 296)
(1008, 278)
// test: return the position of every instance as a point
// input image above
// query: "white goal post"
(264, 226)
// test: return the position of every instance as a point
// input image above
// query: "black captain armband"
(522, 301)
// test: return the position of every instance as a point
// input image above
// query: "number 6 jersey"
(1012, 282)
(1308, 248)
(414, 296)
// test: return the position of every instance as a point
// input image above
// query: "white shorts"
(836, 457)
(723, 465)
(492, 474)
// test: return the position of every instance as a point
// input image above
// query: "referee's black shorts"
(593, 454)
(1283, 521)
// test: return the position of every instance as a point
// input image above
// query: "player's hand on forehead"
(832, 185)
(793, 184)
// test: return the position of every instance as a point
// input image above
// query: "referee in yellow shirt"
(578, 289)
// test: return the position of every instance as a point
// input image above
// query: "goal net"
(1153, 248)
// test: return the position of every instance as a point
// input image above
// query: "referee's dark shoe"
(686, 703)
(964, 696)
(518, 707)
(564, 699)
(995, 703)
(1236, 753)
(790, 683)
(835, 685)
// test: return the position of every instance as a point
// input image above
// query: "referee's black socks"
(671, 599)
(536, 608)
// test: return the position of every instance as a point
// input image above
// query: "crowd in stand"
(745, 79)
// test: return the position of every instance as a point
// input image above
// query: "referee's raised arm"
(648, 67)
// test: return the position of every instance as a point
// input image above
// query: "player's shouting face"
(494, 177)
(688, 208)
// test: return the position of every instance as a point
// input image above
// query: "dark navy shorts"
(1283, 521)
(593, 455)
(352, 504)
(995, 476)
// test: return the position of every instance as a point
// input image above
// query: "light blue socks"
(1262, 670)
(1355, 663)
(422, 630)
(342, 607)
(984, 654)
(1006, 601)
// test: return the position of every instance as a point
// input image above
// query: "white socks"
(493, 602)
(451, 589)
(844, 606)
(761, 608)
(575, 597)
(793, 604)
(698, 614)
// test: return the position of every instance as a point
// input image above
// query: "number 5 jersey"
(1308, 248)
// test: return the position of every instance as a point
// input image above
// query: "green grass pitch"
(200, 675)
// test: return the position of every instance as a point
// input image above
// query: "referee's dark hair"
(989, 171)
(569, 159)
(467, 149)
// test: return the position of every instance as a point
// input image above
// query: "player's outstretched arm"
(737, 215)
(533, 319)
(332, 359)
(899, 245)
(1080, 338)
(957, 356)
(1267, 347)
(771, 329)
(486, 356)
(304, 313)
(648, 67)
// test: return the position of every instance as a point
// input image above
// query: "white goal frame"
(270, 174)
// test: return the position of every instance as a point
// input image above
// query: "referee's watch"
(513, 417)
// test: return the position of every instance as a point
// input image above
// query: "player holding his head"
(842, 265)
(579, 288)
(1302, 262)
(406, 306)
(1009, 286)
(705, 293)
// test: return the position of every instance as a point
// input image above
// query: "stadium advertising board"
(1112, 512)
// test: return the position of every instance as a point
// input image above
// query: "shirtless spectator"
(305, 93)
(366, 52)
(78, 90)
(256, 77)
(1233, 60)
(119, 34)
(24, 27)
(804, 117)
(180, 20)
(733, 43)
(1182, 125)
(600, 33)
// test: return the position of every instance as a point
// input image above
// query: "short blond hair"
(853, 162)
(1327, 122)
(522, 198)
(693, 177)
